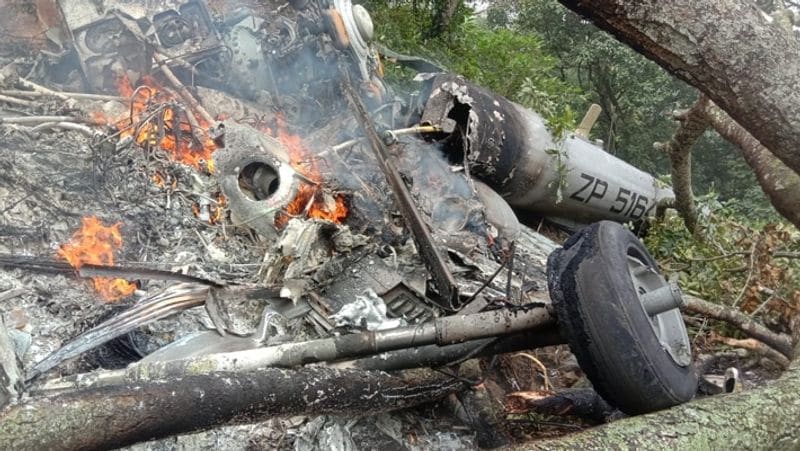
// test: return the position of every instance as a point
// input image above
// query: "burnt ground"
(48, 182)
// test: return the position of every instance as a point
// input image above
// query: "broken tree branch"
(74, 95)
(778, 254)
(197, 131)
(696, 49)
(182, 90)
(114, 416)
(779, 342)
(679, 148)
(123, 270)
(579, 402)
(41, 89)
(12, 293)
(779, 183)
(15, 101)
(28, 120)
(84, 129)
(757, 347)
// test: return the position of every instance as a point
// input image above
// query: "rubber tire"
(608, 331)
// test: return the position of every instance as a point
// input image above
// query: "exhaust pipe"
(256, 177)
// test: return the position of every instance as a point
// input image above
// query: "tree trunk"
(736, 421)
(114, 416)
(726, 49)
(445, 10)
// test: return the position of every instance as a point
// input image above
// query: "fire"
(157, 119)
(124, 86)
(310, 201)
(158, 179)
(213, 212)
(218, 210)
(95, 244)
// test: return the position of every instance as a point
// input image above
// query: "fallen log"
(115, 416)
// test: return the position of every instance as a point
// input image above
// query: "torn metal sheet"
(366, 311)
(401, 287)
(272, 328)
(172, 300)
(303, 247)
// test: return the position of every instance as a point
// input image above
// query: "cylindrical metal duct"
(255, 176)
(509, 147)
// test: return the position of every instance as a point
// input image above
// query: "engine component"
(111, 36)
(356, 18)
(293, 56)
(255, 176)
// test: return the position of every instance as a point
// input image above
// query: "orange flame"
(95, 244)
(157, 121)
(124, 86)
(213, 211)
(310, 200)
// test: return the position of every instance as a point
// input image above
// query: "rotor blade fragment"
(173, 299)
(121, 271)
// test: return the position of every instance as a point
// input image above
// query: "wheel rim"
(668, 325)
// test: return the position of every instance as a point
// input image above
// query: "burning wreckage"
(345, 232)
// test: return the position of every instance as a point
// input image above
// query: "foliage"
(510, 63)
(560, 126)
(633, 92)
(735, 264)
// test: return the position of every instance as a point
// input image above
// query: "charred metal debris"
(381, 232)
